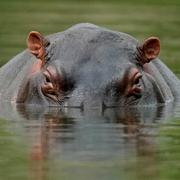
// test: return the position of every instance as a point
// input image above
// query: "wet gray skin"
(88, 66)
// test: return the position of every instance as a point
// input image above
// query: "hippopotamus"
(88, 66)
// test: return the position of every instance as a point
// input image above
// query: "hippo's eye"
(137, 78)
(51, 85)
(56, 84)
(136, 81)
(136, 86)
(133, 83)
(47, 76)
(47, 79)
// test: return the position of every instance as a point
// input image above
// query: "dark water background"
(48, 143)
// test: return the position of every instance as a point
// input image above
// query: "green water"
(50, 144)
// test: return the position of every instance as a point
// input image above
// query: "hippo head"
(90, 66)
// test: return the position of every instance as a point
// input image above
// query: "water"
(48, 143)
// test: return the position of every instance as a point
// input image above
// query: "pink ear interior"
(35, 42)
(151, 48)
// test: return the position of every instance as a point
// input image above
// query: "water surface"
(52, 143)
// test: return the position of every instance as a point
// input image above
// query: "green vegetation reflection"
(13, 157)
(169, 150)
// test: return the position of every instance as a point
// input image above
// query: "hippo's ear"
(36, 44)
(149, 50)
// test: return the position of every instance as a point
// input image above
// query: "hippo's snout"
(84, 99)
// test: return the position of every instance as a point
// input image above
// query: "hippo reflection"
(71, 133)
(76, 141)
(88, 66)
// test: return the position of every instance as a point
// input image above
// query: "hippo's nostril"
(66, 97)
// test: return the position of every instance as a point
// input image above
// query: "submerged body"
(87, 65)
